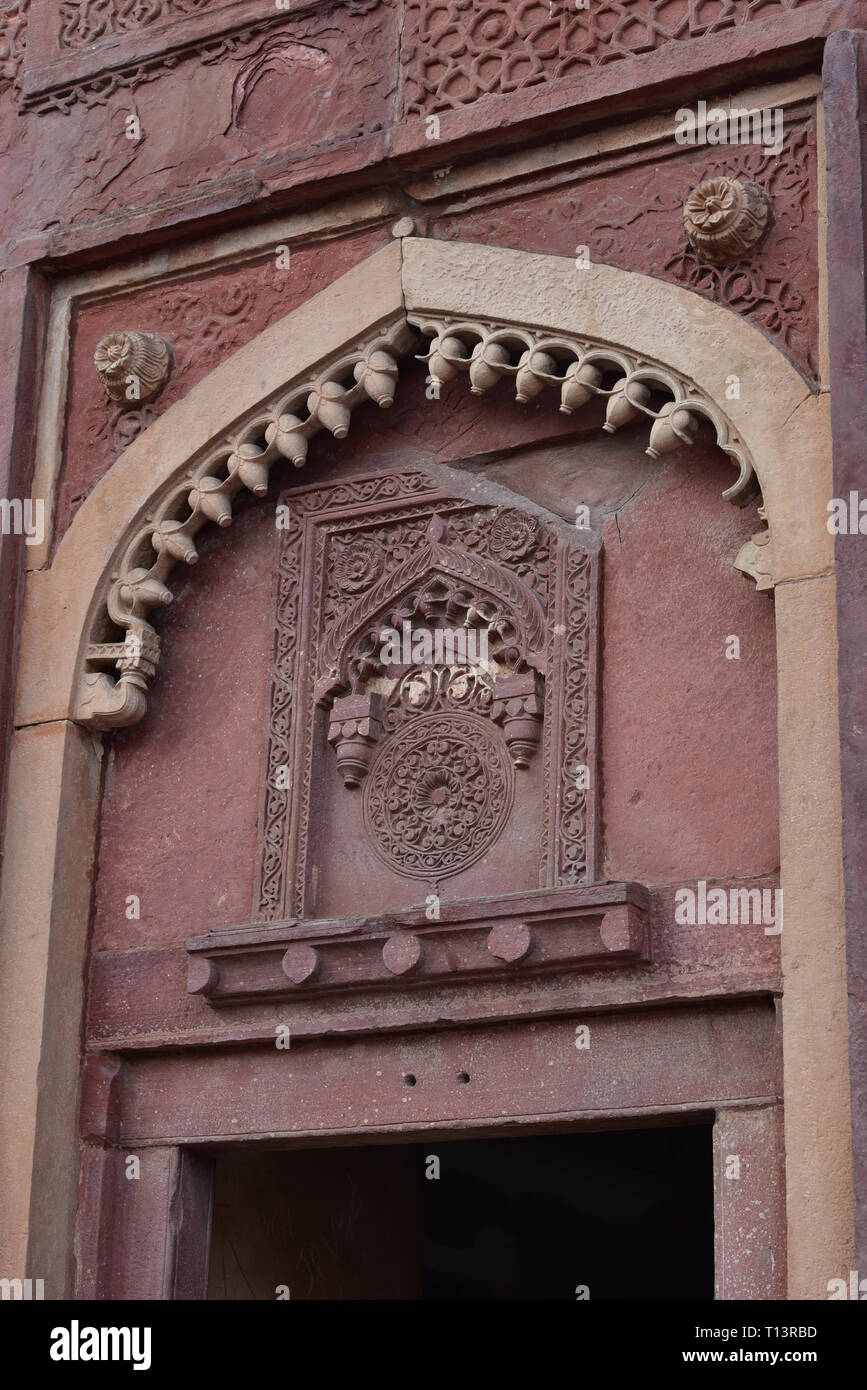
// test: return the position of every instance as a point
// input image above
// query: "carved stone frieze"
(725, 219)
(84, 22)
(13, 40)
(94, 89)
(106, 46)
(456, 53)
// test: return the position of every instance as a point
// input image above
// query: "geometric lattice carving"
(456, 53)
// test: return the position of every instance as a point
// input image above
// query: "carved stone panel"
(431, 713)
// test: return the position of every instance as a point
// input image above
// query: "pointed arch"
(483, 311)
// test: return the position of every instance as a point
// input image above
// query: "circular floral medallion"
(357, 565)
(514, 534)
(438, 795)
(725, 219)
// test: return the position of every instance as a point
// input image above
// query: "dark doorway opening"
(623, 1215)
(614, 1215)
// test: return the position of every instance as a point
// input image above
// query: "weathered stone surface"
(629, 215)
(214, 700)
(845, 68)
(205, 320)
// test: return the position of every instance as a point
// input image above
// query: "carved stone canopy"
(634, 388)
(482, 640)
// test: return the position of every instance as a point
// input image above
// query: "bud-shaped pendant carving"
(329, 408)
(674, 425)
(518, 706)
(353, 732)
(211, 499)
(444, 354)
(533, 370)
(622, 407)
(287, 437)
(579, 384)
(377, 373)
(485, 371)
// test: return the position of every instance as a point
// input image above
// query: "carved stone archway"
(552, 326)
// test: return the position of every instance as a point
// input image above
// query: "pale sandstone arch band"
(54, 782)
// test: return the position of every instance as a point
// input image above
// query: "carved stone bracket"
(519, 705)
(560, 929)
(355, 728)
(755, 558)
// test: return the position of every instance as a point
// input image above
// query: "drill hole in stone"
(409, 1079)
(463, 1077)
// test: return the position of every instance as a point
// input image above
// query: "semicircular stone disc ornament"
(132, 366)
(439, 794)
(725, 219)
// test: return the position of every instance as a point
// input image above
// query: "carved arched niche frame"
(572, 370)
(777, 427)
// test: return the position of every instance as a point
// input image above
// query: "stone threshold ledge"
(544, 929)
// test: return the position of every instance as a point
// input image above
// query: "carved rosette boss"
(132, 366)
(725, 219)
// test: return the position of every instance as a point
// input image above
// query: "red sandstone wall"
(688, 737)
